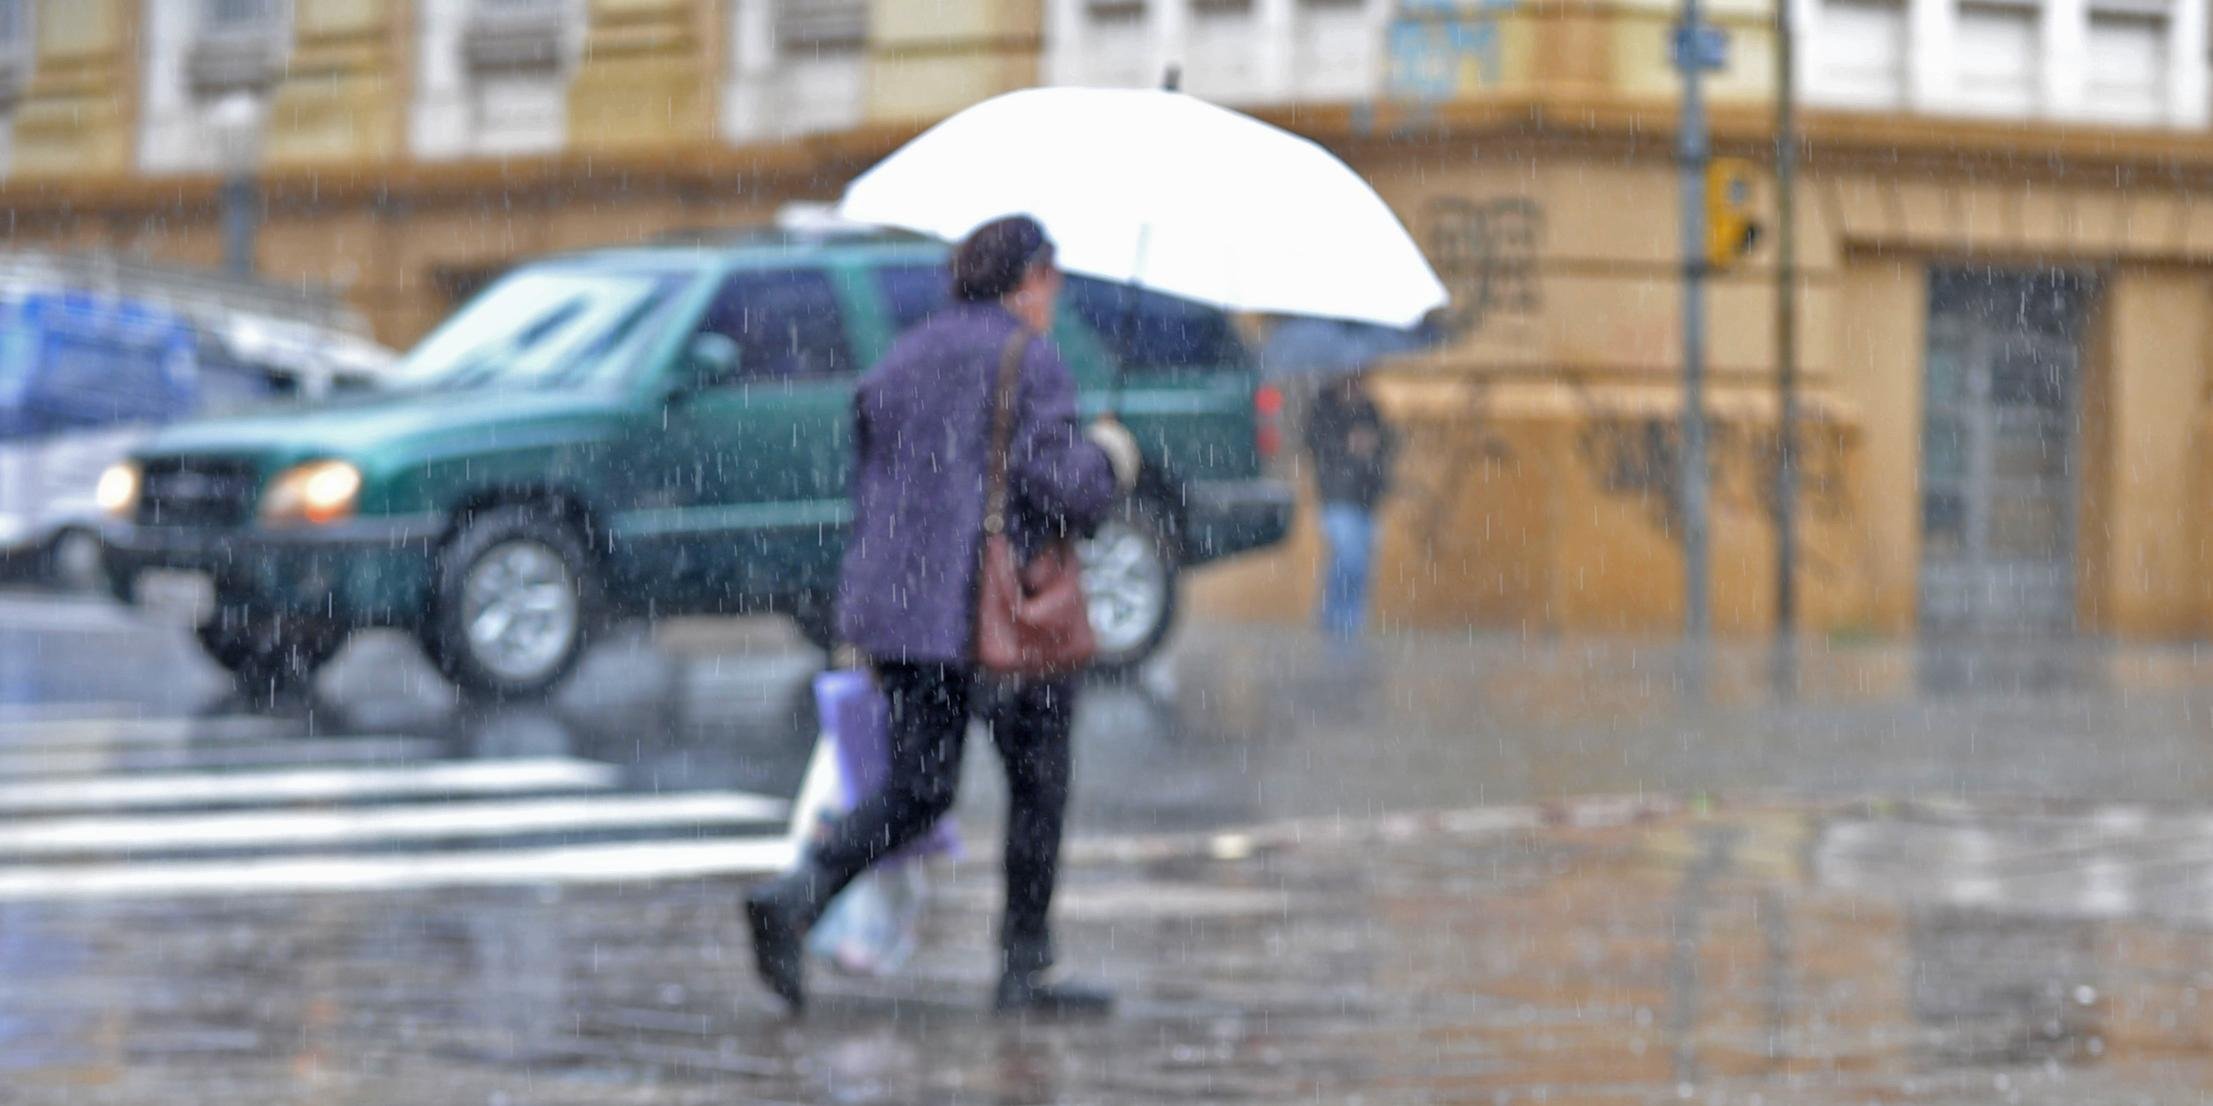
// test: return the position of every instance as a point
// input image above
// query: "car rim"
(1126, 585)
(519, 609)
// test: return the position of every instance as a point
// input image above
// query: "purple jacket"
(922, 427)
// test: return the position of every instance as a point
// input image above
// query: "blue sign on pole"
(1708, 47)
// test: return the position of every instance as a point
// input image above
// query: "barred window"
(15, 25)
(241, 15)
(819, 25)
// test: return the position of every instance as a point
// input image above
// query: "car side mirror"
(710, 359)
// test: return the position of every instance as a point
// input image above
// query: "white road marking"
(93, 711)
(66, 616)
(178, 789)
(119, 731)
(609, 863)
(143, 758)
(414, 822)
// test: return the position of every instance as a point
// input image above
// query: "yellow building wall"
(76, 118)
(344, 93)
(1538, 483)
(1879, 342)
(2143, 403)
(926, 61)
(649, 76)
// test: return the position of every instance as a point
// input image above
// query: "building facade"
(2005, 235)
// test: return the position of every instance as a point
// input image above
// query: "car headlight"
(117, 492)
(318, 492)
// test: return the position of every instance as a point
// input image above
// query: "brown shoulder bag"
(1031, 619)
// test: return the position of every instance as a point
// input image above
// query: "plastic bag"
(874, 925)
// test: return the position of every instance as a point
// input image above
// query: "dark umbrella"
(1323, 348)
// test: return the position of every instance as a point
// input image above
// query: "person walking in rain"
(1353, 450)
(907, 600)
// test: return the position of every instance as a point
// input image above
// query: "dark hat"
(995, 256)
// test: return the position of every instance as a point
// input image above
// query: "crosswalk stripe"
(69, 711)
(71, 616)
(144, 758)
(321, 828)
(63, 733)
(607, 863)
(180, 789)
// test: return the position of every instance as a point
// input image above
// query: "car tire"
(267, 652)
(74, 561)
(514, 600)
(1130, 570)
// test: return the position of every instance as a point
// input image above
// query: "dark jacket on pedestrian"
(1352, 446)
(921, 428)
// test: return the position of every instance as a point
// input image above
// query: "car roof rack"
(797, 225)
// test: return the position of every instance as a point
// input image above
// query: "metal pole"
(1692, 153)
(1786, 345)
(241, 201)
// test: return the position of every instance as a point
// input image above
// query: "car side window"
(1149, 330)
(913, 293)
(787, 323)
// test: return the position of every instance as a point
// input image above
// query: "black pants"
(1029, 722)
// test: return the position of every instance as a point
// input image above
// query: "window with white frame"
(239, 45)
(1115, 11)
(16, 50)
(1859, 57)
(506, 35)
(15, 26)
(222, 17)
(821, 26)
(2128, 60)
(1999, 56)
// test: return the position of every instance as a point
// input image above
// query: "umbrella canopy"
(1332, 347)
(1166, 191)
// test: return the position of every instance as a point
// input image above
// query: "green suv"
(649, 432)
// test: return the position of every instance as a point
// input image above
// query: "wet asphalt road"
(1239, 724)
(1940, 875)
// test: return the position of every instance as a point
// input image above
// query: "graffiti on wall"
(1486, 252)
(1639, 457)
(1440, 50)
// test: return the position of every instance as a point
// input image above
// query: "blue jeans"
(1350, 531)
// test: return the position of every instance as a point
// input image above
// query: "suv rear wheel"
(1129, 578)
(515, 593)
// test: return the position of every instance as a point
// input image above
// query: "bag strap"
(1002, 429)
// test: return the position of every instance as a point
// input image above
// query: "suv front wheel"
(515, 593)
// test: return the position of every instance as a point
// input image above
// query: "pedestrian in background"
(907, 600)
(1353, 450)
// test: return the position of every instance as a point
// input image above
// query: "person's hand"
(1120, 446)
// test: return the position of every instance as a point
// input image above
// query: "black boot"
(780, 913)
(1028, 992)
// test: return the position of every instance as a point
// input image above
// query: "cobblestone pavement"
(1594, 953)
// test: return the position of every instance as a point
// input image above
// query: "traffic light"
(1731, 228)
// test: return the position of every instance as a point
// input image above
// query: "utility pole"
(1691, 57)
(1786, 349)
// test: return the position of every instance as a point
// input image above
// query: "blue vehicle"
(96, 355)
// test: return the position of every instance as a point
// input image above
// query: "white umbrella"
(1166, 191)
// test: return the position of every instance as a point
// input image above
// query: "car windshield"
(543, 327)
